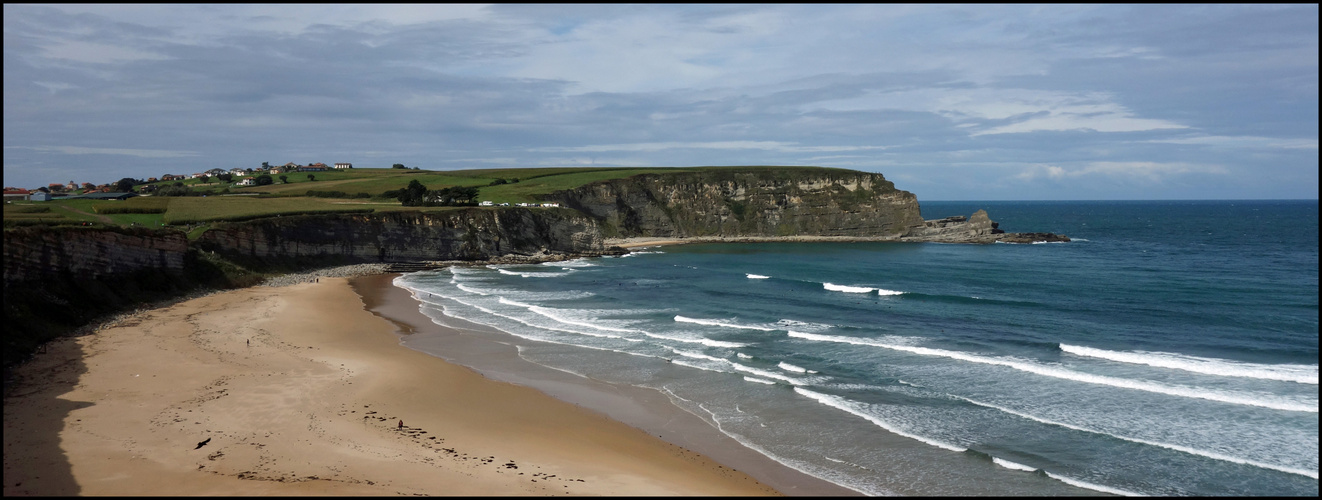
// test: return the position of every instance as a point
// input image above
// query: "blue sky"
(950, 102)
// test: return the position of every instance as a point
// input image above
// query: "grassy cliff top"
(226, 201)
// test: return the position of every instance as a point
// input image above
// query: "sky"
(950, 102)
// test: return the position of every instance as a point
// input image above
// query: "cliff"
(748, 202)
(461, 234)
(37, 252)
(758, 204)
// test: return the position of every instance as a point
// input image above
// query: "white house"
(343, 165)
(248, 181)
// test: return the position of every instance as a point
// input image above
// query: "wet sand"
(299, 390)
(493, 354)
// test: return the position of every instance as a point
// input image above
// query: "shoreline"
(300, 390)
(491, 353)
(642, 242)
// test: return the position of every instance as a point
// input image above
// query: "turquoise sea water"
(1171, 349)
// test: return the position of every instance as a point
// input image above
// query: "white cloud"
(141, 153)
(788, 147)
(1243, 141)
(1144, 170)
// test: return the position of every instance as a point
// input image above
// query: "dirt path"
(101, 218)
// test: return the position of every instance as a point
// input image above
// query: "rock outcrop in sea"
(762, 203)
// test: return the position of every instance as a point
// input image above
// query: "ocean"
(1170, 349)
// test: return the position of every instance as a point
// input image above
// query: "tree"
(413, 195)
(125, 185)
(264, 180)
(311, 177)
(398, 165)
(265, 166)
(204, 179)
(284, 179)
(225, 177)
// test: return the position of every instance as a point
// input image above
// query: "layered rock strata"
(748, 203)
(461, 234)
(36, 252)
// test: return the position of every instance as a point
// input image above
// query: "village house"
(39, 196)
(339, 166)
(315, 167)
(16, 194)
(248, 181)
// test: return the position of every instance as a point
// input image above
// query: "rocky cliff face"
(748, 203)
(37, 252)
(463, 234)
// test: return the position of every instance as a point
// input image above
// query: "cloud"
(1242, 142)
(1152, 172)
(964, 95)
(732, 145)
(140, 153)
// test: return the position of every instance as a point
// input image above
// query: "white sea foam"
(699, 340)
(712, 322)
(742, 355)
(791, 368)
(847, 289)
(528, 323)
(1241, 398)
(690, 364)
(756, 276)
(1091, 486)
(1303, 374)
(803, 325)
(883, 291)
(1184, 449)
(758, 380)
(561, 316)
(470, 289)
(584, 262)
(638, 252)
(1012, 465)
(534, 274)
(766, 373)
(848, 406)
(698, 355)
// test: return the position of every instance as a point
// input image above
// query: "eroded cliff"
(748, 202)
(37, 252)
(460, 234)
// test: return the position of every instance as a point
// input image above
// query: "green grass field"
(289, 198)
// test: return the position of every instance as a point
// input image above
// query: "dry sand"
(300, 391)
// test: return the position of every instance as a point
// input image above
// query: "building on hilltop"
(16, 194)
(339, 166)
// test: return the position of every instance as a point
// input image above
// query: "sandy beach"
(299, 390)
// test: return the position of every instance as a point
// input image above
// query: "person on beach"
(401, 424)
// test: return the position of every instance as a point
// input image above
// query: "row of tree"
(417, 195)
